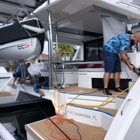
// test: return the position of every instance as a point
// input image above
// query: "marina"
(70, 104)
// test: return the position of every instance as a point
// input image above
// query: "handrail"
(23, 72)
(63, 66)
(19, 9)
(24, 10)
(124, 106)
(129, 5)
(56, 74)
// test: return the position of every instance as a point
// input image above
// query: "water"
(14, 121)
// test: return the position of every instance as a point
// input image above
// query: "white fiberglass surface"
(133, 131)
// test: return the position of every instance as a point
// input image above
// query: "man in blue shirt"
(17, 73)
(42, 82)
(115, 46)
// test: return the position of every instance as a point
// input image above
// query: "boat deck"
(87, 132)
(79, 90)
(45, 130)
(111, 111)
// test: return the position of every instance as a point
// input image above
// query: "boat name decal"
(24, 46)
(88, 116)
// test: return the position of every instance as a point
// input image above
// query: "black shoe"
(118, 90)
(106, 91)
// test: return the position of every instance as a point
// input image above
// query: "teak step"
(79, 90)
(5, 93)
(87, 132)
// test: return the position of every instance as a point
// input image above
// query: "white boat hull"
(4, 134)
(26, 49)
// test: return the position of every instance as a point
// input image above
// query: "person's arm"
(37, 89)
(46, 86)
(41, 92)
(14, 80)
(125, 60)
(128, 58)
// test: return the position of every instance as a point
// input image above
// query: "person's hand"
(42, 93)
(131, 67)
(43, 87)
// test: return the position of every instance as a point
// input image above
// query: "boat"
(26, 44)
(82, 110)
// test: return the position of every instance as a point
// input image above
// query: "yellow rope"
(55, 105)
(105, 102)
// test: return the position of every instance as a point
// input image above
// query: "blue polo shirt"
(17, 72)
(38, 85)
(118, 43)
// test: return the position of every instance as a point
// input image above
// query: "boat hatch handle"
(128, 4)
(124, 106)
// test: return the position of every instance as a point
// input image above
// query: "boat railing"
(19, 9)
(44, 24)
(55, 64)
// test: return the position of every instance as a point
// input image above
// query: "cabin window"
(93, 50)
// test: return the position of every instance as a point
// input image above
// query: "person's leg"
(106, 79)
(14, 80)
(19, 80)
(109, 68)
(117, 70)
(117, 79)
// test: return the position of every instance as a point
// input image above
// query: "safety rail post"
(23, 73)
(50, 48)
(63, 67)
